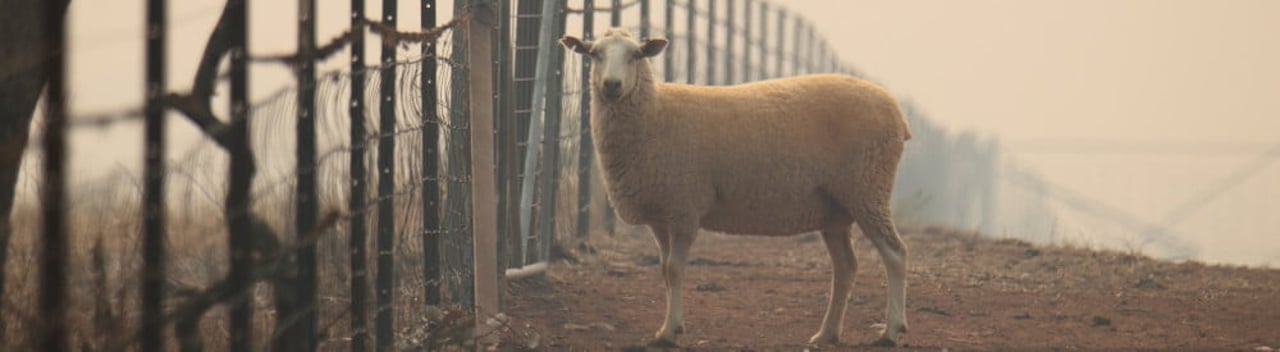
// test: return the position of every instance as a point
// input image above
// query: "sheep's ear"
(652, 47)
(575, 44)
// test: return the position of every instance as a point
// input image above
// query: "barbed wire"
(622, 6)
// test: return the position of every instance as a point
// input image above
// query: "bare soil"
(966, 292)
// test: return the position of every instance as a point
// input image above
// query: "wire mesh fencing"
(340, 213)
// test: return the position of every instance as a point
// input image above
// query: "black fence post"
(728, 42)
(358, 241)
(153, 256)
(241, 173)
(615, 14)
(584, 144)
(300, 322)
(431, 233)
(53, 259)
(668, 60)
(644, 19)
(746, 41)
(457, 255)
(691, 44)
(386, 187)
(711, 42)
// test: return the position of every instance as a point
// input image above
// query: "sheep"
(773, 158)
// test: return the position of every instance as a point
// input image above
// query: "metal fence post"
(356, 200)
(615, 13)
(797, 50)
(241, 175)
(644, 19)
(153, 256)
(431, 234)
(515, 234)
(458, 251)
(584, 129)
(615, 20)
(728, 42)
(300, 320)
(764, 40)
(746, 41)
(53, 259)
(668, 60)
(779, 49)
(551, 139)
(507, 126)
(711, 42)
(690, 42)
(383, 329)
(539, 98)
(811, 50)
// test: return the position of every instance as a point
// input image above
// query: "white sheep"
(777, 157)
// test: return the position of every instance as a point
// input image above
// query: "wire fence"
(339, 213)
(402, 193)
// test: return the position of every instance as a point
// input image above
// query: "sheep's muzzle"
(612, 89)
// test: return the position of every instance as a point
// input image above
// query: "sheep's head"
(618, 60)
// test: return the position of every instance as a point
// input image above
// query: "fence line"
(466, 107)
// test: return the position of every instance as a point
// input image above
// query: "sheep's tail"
(906, 127)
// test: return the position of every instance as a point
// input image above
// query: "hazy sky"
(1099, 69)
(1104, 71)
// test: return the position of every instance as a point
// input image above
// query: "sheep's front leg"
(662, 236)
(680, 237)
(843, 266)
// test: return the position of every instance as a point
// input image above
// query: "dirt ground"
(965, 292)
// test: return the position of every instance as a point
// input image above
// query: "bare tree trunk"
(23, 72)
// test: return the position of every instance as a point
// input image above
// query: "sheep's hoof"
(679, 329)
(824, 339)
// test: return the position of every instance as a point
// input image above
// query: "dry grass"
(105, 224)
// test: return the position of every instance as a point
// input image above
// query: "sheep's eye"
(596, 55)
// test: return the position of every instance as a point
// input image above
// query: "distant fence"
(435, 163)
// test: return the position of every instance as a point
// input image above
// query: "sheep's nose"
(612, 87)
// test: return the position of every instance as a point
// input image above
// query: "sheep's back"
(769, 147)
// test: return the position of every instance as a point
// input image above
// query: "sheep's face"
(616, 61)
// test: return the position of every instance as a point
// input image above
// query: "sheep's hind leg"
(843, 266)
(877, 225)
(680, 237)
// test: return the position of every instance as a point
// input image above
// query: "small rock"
(649, 260)
(576, 327)
(1263, 349)
(1023, 316)
(1149, 284)
(603, 326)
(709, 287)
(934, 310)
(1101, 321)
(1032, 253)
